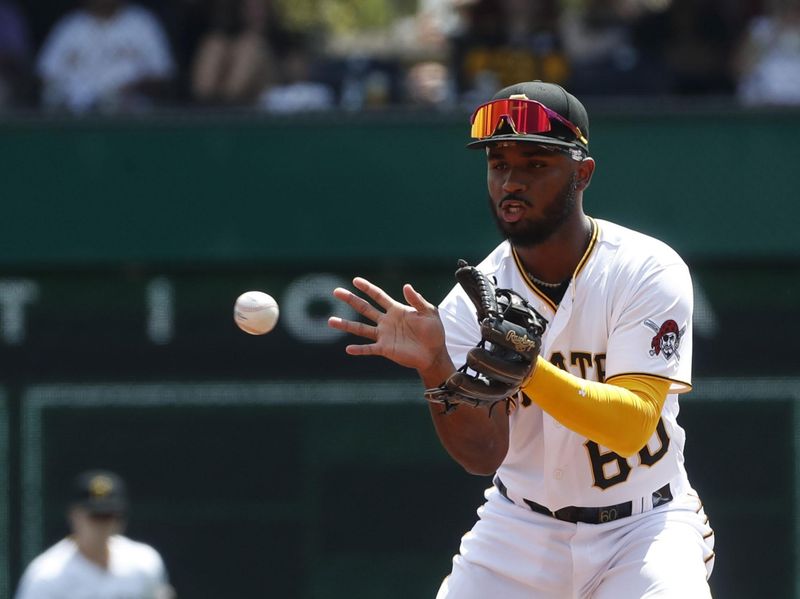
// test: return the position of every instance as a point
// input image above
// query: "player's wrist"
(437, 370)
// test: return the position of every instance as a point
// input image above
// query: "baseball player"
(96, 561)
(590, 495)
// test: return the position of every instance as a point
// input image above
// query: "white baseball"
(255, 312)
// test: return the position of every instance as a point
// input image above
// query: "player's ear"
(585, 170)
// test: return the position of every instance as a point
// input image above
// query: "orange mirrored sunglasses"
(524, 116)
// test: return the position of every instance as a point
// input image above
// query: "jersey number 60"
(600, 460)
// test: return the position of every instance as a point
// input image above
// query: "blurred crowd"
(112, 56)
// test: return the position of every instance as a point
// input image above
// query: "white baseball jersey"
(628, 310)
(85, 58)
(135, 571)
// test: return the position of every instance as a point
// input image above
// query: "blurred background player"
(96, 561)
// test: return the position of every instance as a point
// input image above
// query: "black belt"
(589, 515)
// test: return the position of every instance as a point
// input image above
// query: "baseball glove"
(511, 336)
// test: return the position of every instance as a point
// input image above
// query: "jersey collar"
(581, 263)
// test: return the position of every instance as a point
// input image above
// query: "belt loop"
(662, 496)
(540, 509)
(653, 500)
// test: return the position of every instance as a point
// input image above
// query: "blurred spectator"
(504, 41)
(699, 46)
(768, 61)
(440, 19)
(369, 81)
(96, 560)
(298, 92)
(428, 84)
(186, 23)
(624, 47)
(109, 56)
(606, 51)
(15, 56)
(238, 59)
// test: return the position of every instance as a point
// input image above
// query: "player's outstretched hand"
(410, 334)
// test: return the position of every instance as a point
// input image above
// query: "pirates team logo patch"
(667, 338)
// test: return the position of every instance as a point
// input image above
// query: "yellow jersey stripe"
(592, 243)
(652, 376)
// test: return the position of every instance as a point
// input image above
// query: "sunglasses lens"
(523, 115)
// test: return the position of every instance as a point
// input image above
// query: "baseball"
(255, 312)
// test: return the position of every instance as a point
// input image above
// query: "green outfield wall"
(228, 189)
(333, 490)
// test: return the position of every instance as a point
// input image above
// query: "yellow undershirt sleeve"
(621, 416)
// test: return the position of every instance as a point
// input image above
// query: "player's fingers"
(416, 300)
(383, 299)
(362, 350)
(360, 305)
(354, 328)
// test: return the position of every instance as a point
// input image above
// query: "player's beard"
(528, 233)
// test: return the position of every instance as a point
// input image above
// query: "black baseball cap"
(555, 98)
(100, 492)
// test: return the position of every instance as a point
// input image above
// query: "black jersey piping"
(688, 386)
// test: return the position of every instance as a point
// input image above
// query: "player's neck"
(94, 551)
(556, 259)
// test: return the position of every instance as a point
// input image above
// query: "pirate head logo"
(667, 338)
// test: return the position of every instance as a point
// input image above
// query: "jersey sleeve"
(156, 567)
(32, 587)
(651, 331)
